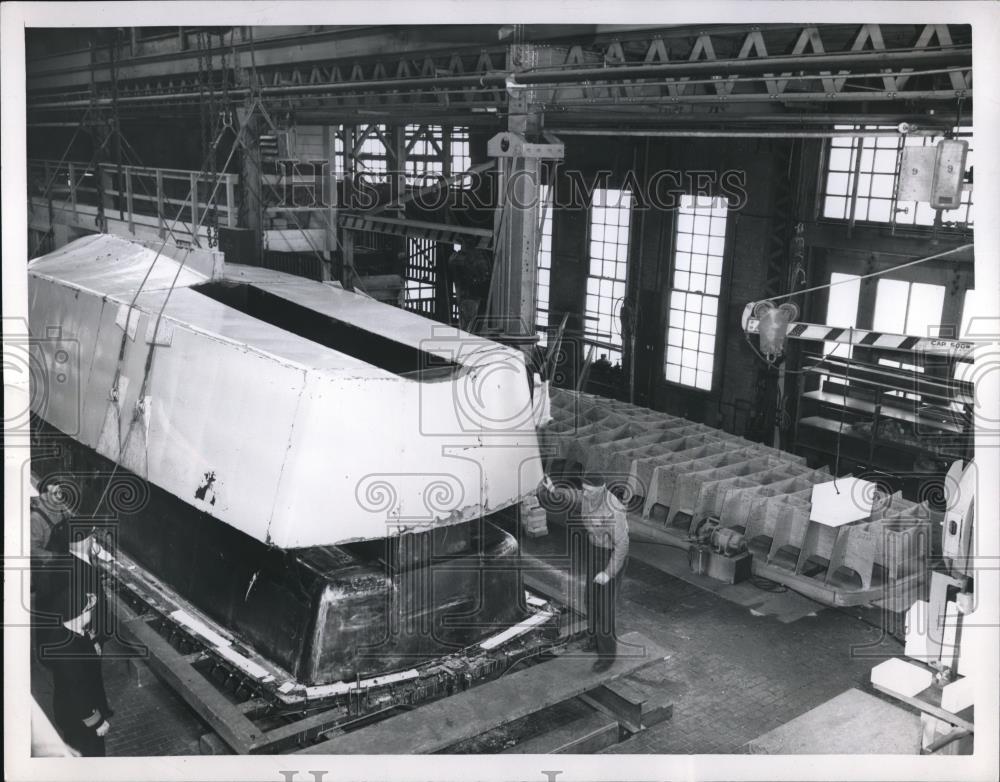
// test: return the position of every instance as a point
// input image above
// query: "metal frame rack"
(239, 696)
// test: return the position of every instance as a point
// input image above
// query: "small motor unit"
(719, 552)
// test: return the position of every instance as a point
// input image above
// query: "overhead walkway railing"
(131, 201)
(156, 203)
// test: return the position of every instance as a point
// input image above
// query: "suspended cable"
(147, 369)
(934, 257)
(73, 188)
(69, 146)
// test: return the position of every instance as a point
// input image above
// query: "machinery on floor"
(935, 674)
(741, 507)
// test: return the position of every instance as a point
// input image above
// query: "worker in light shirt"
(601, 517)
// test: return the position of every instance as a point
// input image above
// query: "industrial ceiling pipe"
(787, 97)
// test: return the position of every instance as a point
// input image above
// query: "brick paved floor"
(735, 675)
(732, 676)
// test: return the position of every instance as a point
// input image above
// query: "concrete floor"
(734, 674)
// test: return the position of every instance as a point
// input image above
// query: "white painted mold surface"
(290, 441)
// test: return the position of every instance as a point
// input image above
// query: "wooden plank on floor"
(440, 724)
(628, 690)
(583, 736)
(618, 700)
(653, 715)
(303, 730)
(224, 717)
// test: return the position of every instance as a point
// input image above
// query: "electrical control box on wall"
(933, 174)
(949, 171)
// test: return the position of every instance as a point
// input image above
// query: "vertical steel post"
(251, 179)
(324, 196)
(72, 187)
(159, 204)
(515, 267)
(128, 199)
(195, 216)
(230, 201)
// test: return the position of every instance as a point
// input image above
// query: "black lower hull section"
(324, 614)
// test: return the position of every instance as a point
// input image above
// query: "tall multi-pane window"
(610, 218)
(692, 321)
(421, 275)
(871, 164)
(544, 265)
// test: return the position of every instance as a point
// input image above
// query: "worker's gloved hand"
(601, 578)
(103, 728)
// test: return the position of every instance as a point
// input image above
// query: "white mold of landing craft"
(300, 413)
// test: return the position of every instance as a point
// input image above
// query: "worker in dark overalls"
(470, 270)
(68, 648)
(598, 519)
(75, 548)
